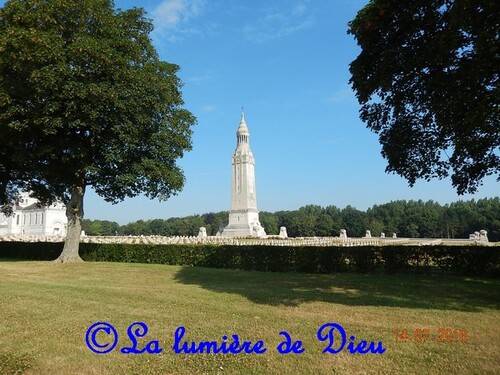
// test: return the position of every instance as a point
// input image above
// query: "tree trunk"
(74, 213)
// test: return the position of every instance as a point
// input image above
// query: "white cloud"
(171, 18)
(274, 24)
(332, 141)
(343, 95)
(200, 79)
(168, 13)
(298, 9)
(209, 108)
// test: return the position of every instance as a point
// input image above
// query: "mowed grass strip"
(45, 310)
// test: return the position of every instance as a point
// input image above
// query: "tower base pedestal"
(244, 223)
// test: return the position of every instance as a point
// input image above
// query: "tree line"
(411, 218)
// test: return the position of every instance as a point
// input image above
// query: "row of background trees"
(405, 218)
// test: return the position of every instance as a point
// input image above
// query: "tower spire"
(242, 134)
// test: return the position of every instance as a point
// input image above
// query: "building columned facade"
(243, 216)
(29, 218)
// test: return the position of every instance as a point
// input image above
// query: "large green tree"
(427, 80)
(86, 101)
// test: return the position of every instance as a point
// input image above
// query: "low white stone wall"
(31, 238)
(271, 241)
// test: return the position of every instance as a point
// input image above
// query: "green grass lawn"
(46, 309)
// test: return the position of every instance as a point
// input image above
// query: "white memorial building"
(243, 216)
(31, 219)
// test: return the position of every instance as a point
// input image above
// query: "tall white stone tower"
(244, 216)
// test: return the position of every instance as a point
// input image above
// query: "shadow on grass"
(291, 289)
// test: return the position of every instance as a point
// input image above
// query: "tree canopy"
(427, 81)
(86, 101)
(417, 219)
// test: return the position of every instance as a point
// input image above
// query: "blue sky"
(286, 62)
